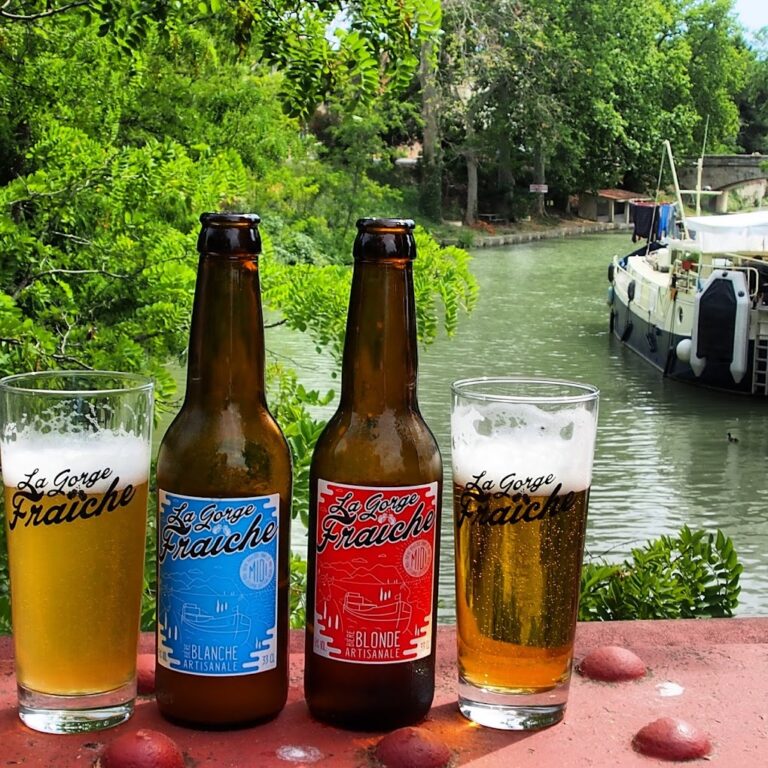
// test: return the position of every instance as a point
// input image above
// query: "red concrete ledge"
(712, 673)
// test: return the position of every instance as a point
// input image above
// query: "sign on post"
(540, 188)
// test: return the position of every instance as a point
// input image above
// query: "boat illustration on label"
(234, 624)
(386, 611)
(217, 585)
(374, 572)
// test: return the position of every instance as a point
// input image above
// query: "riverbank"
(563, 229)
(486, 236)
(710, 673)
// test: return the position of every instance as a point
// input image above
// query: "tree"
(108, 166)
(583, 95)
(461, 60)
(106, 162)
(525, 63)
(753, 107)
(717, 69)
(326, 47)
(431, 197)
(99, 214)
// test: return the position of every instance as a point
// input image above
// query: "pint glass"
(522, 466)
(74, 448)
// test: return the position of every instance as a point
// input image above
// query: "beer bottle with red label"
(224, 490)
(375, 494)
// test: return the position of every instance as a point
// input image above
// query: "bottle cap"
(384, 239)
(385, 225)
(229, 233)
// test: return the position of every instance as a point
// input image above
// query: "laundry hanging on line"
(652, 221)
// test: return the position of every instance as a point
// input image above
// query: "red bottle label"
(374, 569)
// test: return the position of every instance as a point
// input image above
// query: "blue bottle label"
(217, 584)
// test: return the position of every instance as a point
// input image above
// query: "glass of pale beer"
(522, 454)
(74, 453)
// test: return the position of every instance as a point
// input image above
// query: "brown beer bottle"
(224, 488)
(375, 494)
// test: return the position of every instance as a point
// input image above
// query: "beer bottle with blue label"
(224, 491)
(375, 494)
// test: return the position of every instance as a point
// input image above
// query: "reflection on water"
(663, 458)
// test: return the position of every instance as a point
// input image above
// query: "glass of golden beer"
(74, 453)
(522, 454)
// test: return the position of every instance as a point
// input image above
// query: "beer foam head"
(80, 460)
(500, 440)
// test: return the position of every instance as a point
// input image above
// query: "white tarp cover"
(730, 232)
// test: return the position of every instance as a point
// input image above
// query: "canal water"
(663, 457)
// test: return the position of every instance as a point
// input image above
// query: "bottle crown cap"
(384, 239)
(385, 225)
(229, 233)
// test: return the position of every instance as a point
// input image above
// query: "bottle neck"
(226, 349)
(380, 356)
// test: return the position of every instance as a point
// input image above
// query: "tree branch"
(74, 238)
(4, 14)
(53, 356)
(68, 359)
(77, 272)
(32, 278)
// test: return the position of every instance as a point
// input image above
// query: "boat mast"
(678, 195)
(700, 168)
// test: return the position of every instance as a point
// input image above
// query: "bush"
(691, 575)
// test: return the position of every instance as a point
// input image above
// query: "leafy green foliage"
(290, 404)
(298, 592)
(99, 216)
(311, 299)
(717, 69)
(372, 54)
(690, 575)
(149, 591)
(314, 299)
(107, 160)
(441, 275)
(753, 105)
(591, 89)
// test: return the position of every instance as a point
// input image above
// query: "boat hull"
(658, 346)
